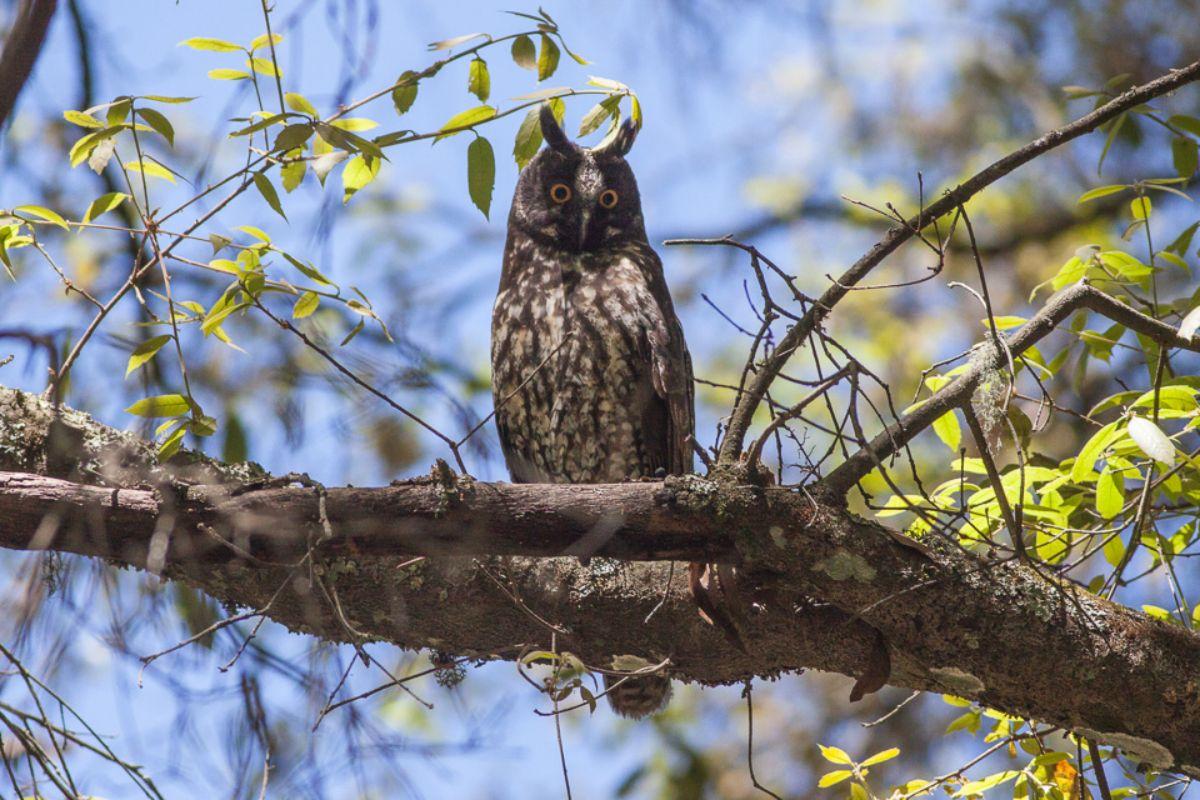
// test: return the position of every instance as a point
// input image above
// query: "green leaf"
(160, 98)
(144, 352)
(118, 110)
(465, 119)
(1189, 124)
(1140, 208)
(405, 93)
(608, 107)
(1110, 493)
(306, 305)
(990, 782)
(547, 59)
(308, 270)
(257, 233)
(524, 54)
(82, 120)
(833, 778)
(1114, 128)
(163, 405)
(159, 122)
(354, 124)
(481, 173)
(103, 204)
(41, 212)
(835, 755)
(1185, 154)
(263, 184)
(1102, 191)
(948, 430)
(261, 124)
(1184, 240)
(298, 102)
(291, 173)
(479, 83)
(264, 66)
(359, 172)
(171, 444)
(224, 74)
(234, 450)
(214, 45)
(151, 168)
(529, 138)
(293, 136)
(1100, 441)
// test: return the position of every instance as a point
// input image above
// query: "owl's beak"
(584, 218)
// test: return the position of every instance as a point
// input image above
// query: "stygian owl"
(591, 377)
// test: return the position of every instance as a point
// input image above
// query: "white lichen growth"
(989, 402)
(957, 681)
(1138, 749)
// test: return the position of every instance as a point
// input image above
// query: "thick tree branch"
(820, 587)
(21, 49)
(797, 334)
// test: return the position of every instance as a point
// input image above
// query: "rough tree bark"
(819, 587)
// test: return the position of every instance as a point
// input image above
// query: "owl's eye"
(560, 193)
(608, 198)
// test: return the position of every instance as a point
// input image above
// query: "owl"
(591, 377)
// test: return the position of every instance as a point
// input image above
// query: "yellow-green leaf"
(465, 119)
(1102, 191)
(1110, 493)
(832, 778)
(835, 755)
(547, 59)
(228, 74)
(144, 352)
(355, 124)
(262, 41)
(479, 83)
(529, 138)
(103, 204)
(82, 120)
(880, 757)
(298, 102)
(1140, 208)
(151, 168)
(359, 172)
(163, 405)
(213, 45)
(159, 122)
(306, 305)
(263, 66)
(41, 212)
(948, 430)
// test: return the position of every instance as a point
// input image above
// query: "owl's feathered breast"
(590, 374)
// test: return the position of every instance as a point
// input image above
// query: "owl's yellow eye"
(560, 193)
(608, 198)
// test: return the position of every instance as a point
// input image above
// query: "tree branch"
(794, 338)
(822, 588)
(21, 49)
(959, 391)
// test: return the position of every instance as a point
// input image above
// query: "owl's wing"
(671, 371)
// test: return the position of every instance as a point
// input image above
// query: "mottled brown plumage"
(590, 373)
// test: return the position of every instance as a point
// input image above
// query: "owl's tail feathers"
(638, 697)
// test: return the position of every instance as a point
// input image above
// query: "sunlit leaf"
(263, 184)
(524, 53)
(300, 103)
(214, 45)
(225, 74)
(1151, 440)
(306, 305)
(479, 82)
(547, 61)
(163, 405)
(103, 204)
(43, 213)
(144, 352)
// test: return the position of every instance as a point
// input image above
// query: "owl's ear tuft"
(553, 133)
(620, 141)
